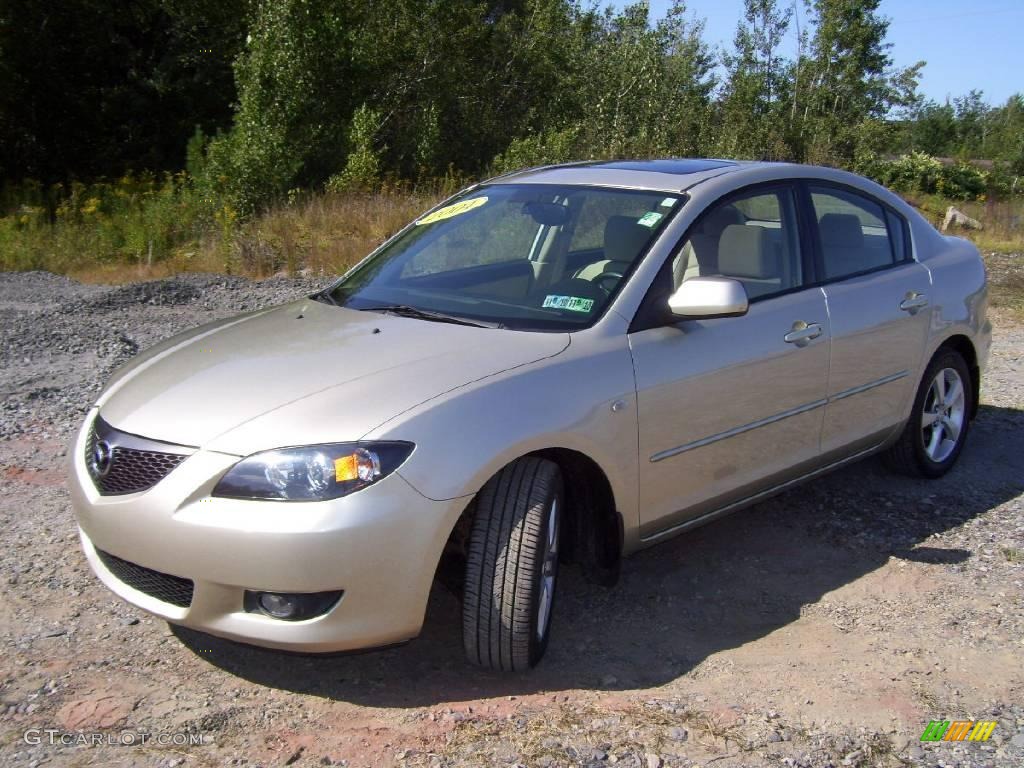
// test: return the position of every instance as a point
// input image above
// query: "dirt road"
(824, 627)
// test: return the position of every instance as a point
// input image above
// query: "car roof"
(668, 175)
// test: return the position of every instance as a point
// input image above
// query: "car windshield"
(520, 256)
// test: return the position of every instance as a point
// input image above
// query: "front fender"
(463, 438)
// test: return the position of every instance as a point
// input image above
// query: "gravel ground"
(826, 626)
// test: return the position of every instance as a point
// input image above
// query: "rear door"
(878, 305)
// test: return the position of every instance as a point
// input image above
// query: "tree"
(851, 82)
(752, 110)
(93, 88)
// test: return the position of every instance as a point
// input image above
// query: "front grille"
(128, 463)
(162, 586)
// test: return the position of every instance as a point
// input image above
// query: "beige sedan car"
(565, 364)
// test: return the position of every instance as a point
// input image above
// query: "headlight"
(312, 473)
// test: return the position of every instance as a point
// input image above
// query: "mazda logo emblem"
(102, 457)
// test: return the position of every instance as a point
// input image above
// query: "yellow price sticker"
(455, 209)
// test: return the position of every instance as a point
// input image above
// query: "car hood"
(304, 373)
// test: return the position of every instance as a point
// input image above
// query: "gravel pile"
(61, 339)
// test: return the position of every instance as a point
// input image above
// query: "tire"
(512, 566)
(917, 452)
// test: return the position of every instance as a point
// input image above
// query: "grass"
(139, 228)
(1002, 221)
(145, 227)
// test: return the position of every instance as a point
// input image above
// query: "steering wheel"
(602, 278)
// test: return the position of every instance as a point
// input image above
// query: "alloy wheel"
(942, 420)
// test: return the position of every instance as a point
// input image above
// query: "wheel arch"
(594, 528)
(594, 525)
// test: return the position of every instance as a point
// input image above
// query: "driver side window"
(751, 238)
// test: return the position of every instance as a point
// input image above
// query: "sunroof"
(680, 166)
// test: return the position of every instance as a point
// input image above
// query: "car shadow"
(715, 588)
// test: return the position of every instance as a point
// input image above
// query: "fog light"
(291, 606)
(278, 606)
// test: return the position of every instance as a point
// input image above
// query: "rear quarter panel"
(959, 293)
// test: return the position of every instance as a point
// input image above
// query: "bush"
(918, 173)
(137, 218)
(962, 181)
(362, 168)
(538, 149)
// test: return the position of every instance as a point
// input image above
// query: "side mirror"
(707, 297)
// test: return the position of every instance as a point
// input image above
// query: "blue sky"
(978, 44)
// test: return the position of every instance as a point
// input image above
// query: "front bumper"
(380, 545)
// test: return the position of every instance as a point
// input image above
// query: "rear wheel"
(934, 436)
(512, 566)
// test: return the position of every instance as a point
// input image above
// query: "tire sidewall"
(539, 645)
(945, 359)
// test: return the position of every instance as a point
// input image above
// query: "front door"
(731, 406)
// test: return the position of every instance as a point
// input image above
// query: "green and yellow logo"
(958, 730)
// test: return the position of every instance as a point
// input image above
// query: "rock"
(960, 219)
(853, 758)
(774, 737)
(678, 734)
(652, 760)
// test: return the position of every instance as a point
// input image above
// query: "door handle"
(914, 302)
(802, 333)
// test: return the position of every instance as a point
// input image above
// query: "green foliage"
(267, 101)
(539, 149)
(920, 173)
(362, 169)
(288, 80)
(753, 112)
(916, 172)
(137, 219)
(962, 181)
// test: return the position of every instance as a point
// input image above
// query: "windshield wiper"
(324, 297)
(405, 310)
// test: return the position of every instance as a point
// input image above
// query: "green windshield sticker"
(572, 303)
(463, 206)
(649, 219)
(668, 202)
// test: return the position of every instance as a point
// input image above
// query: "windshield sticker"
(455, 209)
(649, 219)
(572, 303)
(668, 202)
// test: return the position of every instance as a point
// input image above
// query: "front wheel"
(512, 566)
(935, 433)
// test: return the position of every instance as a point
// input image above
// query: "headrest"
(745, 251)
(841, 230)
(718, 219)
(623, 238)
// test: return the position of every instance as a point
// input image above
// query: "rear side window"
(853, 232)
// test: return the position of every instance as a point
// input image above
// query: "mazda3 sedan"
(564, 364)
